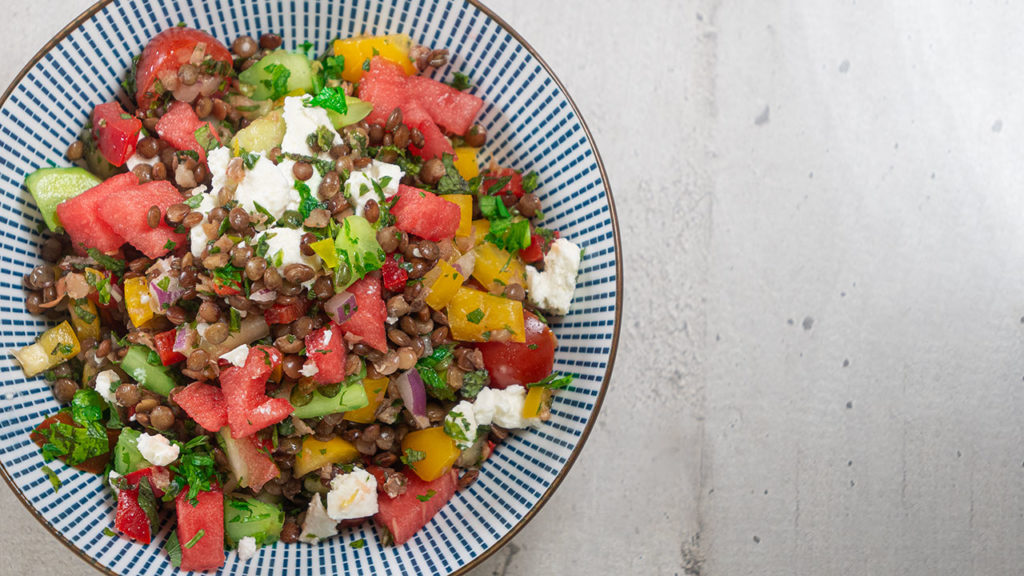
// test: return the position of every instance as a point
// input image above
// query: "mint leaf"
(330, 99)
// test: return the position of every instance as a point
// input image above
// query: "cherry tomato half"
(168, 51)
(523, 363)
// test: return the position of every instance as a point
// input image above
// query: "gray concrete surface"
(820, 369)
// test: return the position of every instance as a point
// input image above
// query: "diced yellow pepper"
(357, 51)
(480, 229)
(54, 347)
(465, 204)
(536, 398)
(475, 316)
(375, 390)
(441, 283)
(326, 251)
(496, 268)
(439, 452)
(136, 300)
(315, 454)
(85, 319)
(465, 162)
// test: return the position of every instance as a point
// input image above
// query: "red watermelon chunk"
(206, 552)
(449, 108)
(325, 348)
(368, 322)
(435, 143)
(249, 409)
(80, 216)
(386, 86)
(425, 214)
(131, 519)
(179, 125)
(405, 515)
(205, 404)
(125, 212)
(259, 466)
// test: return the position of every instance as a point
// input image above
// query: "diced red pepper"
(393, 275)
(325, 348)
(205, 551)
(164, 343)
(131, 520)
(226, 288)
(285, 313)
(116, 132)
(535, 251)
(159, 478)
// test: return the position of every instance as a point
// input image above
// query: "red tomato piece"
(116, 132)
(131, 520)
(522, 363)
(514, 185)
(405, 515)
(164, 343)
(204, 552)
(325, 348)
(368, 322)
(205, 404)
(393, 275)
(285, 313)
(535, 251)
(179, 126)
(166, 53)
(425, 214)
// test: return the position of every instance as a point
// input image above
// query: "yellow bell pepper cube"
(536, 400)
(137, 300)
(465, 162)
(496, 268)
(375, 390)
(439, 452)
(465, 204)
(480, 229)
(475, 316)
(85, 319)
(315, 454)
(357, 51)
(54, 347)
(441, 284)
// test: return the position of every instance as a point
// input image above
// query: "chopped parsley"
(170, 245)
(475, 316)
(78, 307)
(474, 382)
(358, 543)
(249, 159)
(426, 497)
(193, 202)
(109, 532)
(330, 98)
(554, 381)
(529, 182)
(461, 82)
(195, 539)
(452, 182)
(411, 456)
(278, 81)
(205, 138)
(455, 426)
(110, 263)
(307, 202)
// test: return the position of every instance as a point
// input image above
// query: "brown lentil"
(64, 390)
(159, 171)
(468, 478)
(32, 302)
(298, 273)
(371, 211)
(238, 218)
(220, 109)
(270, 41)
(217, 333)
(289, 344)
(438, 58)
(188, 74)
(176, 315)
(401, 136)
(104, 347)
(272, 278)
(528, 205)
(302, 171)
(376, 135)
(432, 171)
(146, 405)
(75, 150)
(329, 186)
(323, 288)
(416, 137)
(240, 255)
(255, 269)
(514, 291)
(389, 238)
(153, 216)
(476, 136)
(244, 46)
(176, 213)
(142, 419)
(127, 394)
(209, 313)
(292, 366)
(439, 336)
(192, 219)
(239, 302)
(318, 218)
(394, 120)
(290, 532)
(161, 418)
(406, 357)
(399, 337)
(198, 359)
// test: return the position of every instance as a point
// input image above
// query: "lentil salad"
(290, 298)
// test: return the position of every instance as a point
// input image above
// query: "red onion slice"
(414, 395)
(263, 295)
(184, 339)
(165, 297)
(341, 306)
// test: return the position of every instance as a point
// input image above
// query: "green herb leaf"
(76, 443)
(173, 549)
(411, 456)
(113, 264)
(461, 82)
(193, 202)
(307, 202)
(475, 316)
(147, 501)
(205, 138)
(87, 406)
(195, 539)
(529, 182)
(54, 480)
(452, 182)
(109, 532)
(358, 543)
(554, 381)
(493, 208)
(278, 81)
(330, 99)
(101, 283)
(435, 384)
(426, 497)
(83, 313)
(474, 382)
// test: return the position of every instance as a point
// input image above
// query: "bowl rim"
(619, 285)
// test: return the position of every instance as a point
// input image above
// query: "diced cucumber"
(239, 469)
(357, 110)
(247, 516)
(358, 249)
(348, 397)
(51, 186)
(149, 375)
(262, 134)
(127, 458)
(300, 74)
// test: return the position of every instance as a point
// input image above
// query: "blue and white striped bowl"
(532, 124)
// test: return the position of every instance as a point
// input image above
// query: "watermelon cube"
(259, 466)
(405, 515)
(125, 212)
(179, 126)
(369, 320)
(131, 519)
(425, 214)
(435, 143)
(325, 348)
(205, 404)
(81, 219)
(249, 409)
(201, 551)
(449, 108)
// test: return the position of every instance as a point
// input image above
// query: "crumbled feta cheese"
(552, 289)
(157, 450)
(112, 480)
(288, 243)
(266, 185)
(137, 159)
(237, 356)
(502, 407)
(318, 525)
(309, 369)
(106, 384)
(300, 121)
(352, 495)
(217, 161)
(359, 186)
(461, 424)
(246, 548)
(200, 235)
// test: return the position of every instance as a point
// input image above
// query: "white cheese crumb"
(552, 289)
(502, 407)
(352, 495)
(359, 186)
(309, 369)
(156, 449)
(287, 242)
(461, 424)
(247, 548)
(300, 121)
(237, 356)
(106, 384)
(318, 525)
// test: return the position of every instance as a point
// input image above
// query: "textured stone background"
(819, 371)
